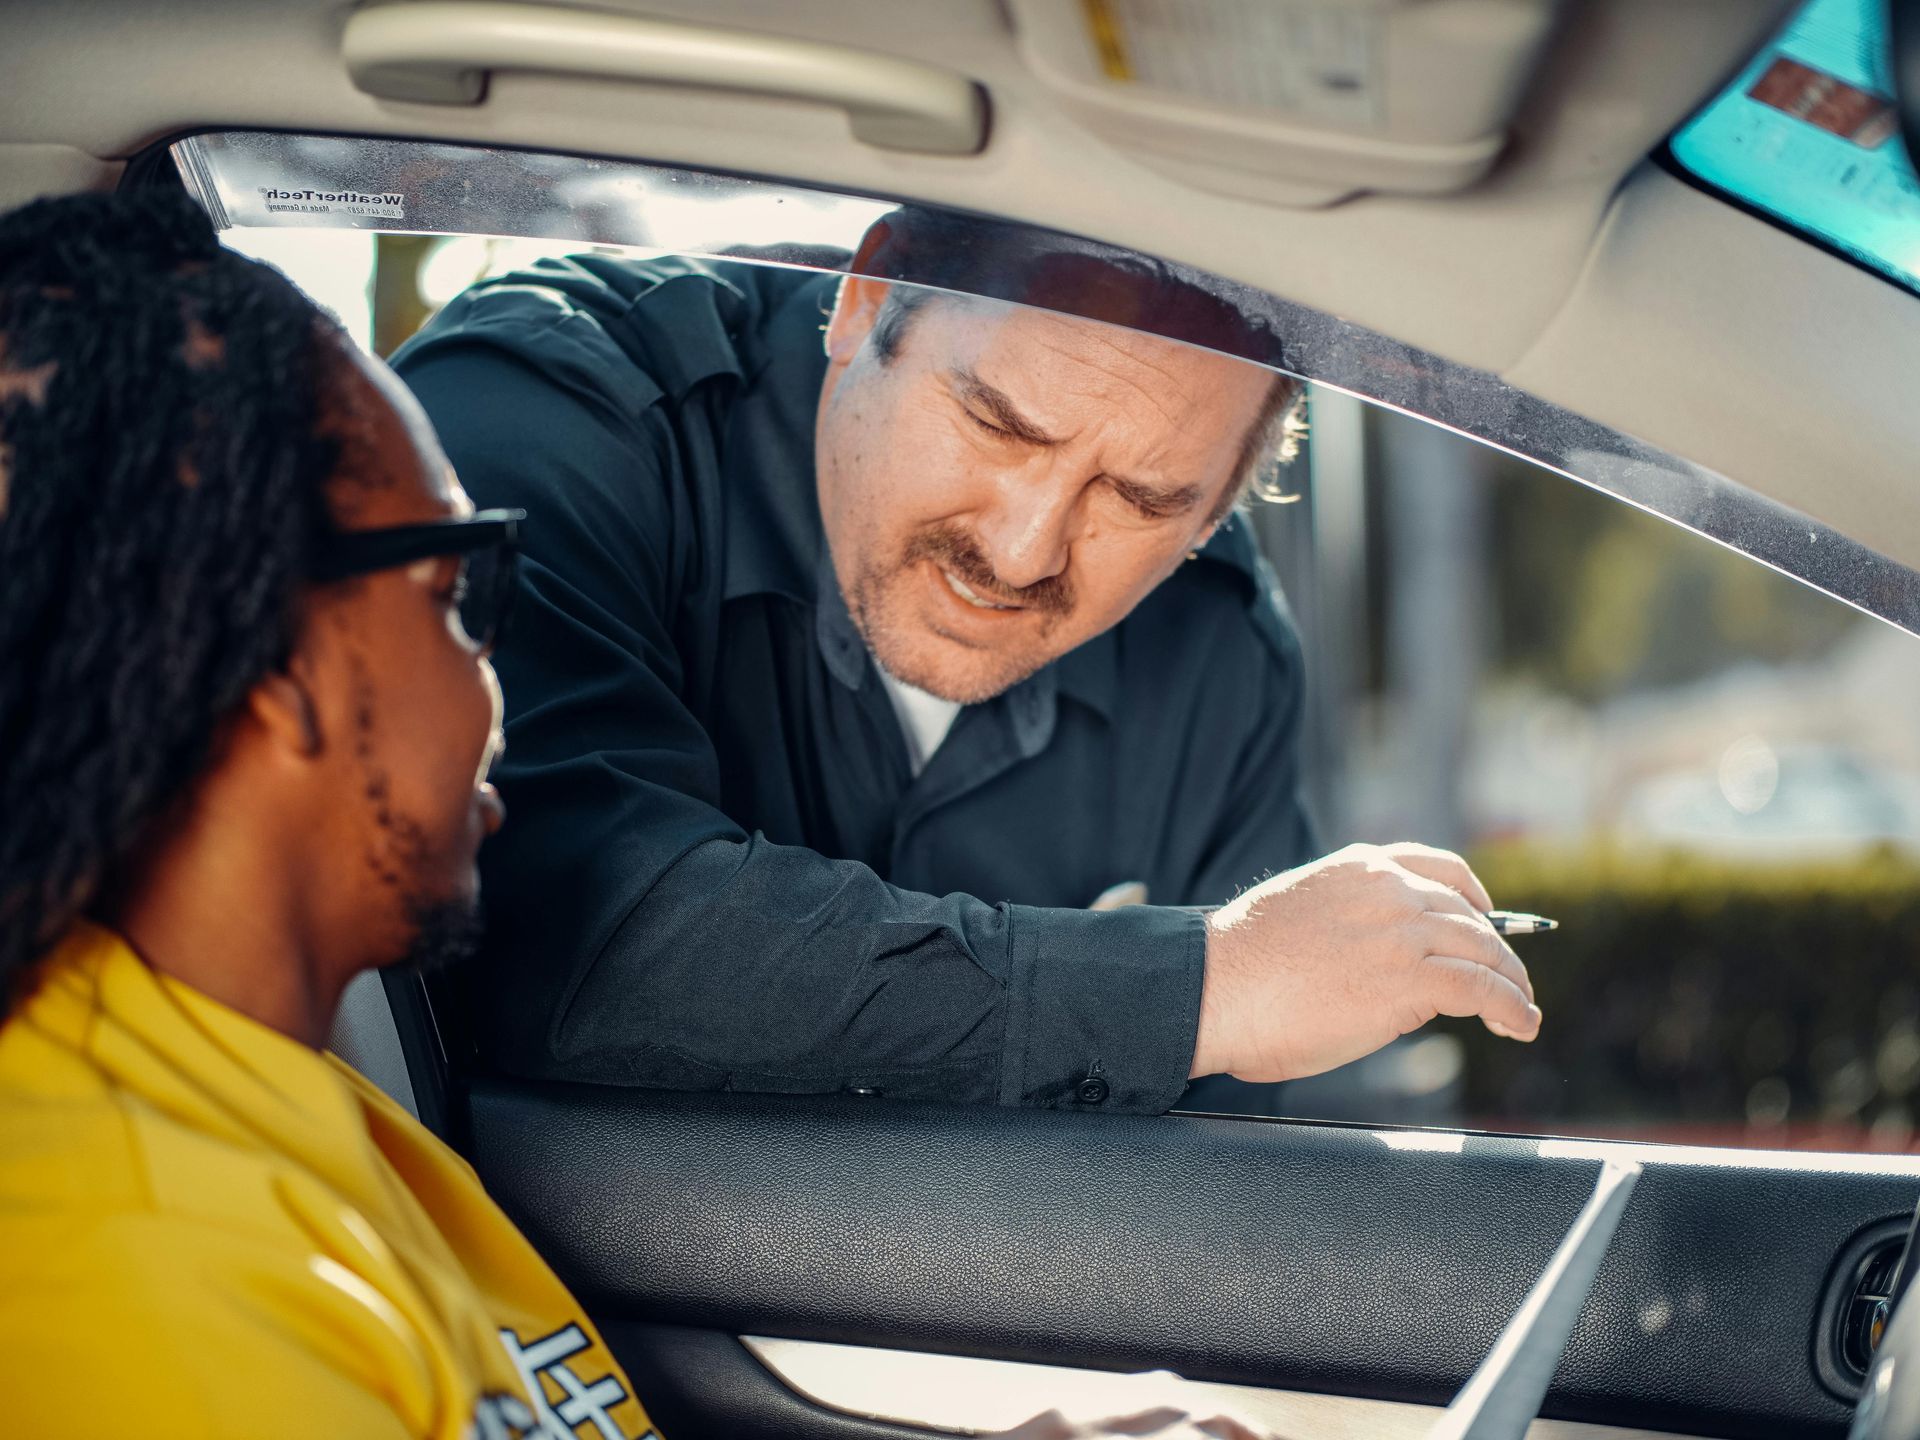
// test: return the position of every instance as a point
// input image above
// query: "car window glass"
(1706, 771)
(1703, 767)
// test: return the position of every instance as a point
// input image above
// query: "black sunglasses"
(488, 544)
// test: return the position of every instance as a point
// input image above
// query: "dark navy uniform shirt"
(719, 870)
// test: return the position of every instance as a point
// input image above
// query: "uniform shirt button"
(1091, 1091)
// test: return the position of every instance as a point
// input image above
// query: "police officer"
(866, 635)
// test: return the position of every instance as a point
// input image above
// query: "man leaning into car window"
(245, 719)
(869, 635)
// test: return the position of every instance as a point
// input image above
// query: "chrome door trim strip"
(270, 179)
(959, 1394)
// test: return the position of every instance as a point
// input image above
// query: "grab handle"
(441, 51)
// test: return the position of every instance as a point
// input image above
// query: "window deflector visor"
(272, 180)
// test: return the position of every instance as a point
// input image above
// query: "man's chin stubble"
(892, 646)
(446, 933)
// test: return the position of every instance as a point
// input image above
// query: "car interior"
(1480, 214)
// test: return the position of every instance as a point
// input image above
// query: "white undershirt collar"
(924, 719)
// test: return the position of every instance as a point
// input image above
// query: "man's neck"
(206, 911)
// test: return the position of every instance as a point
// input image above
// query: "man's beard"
(446, 933)
(953, 550)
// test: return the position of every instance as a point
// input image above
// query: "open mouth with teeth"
(972, 598)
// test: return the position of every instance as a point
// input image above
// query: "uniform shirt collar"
(1091, 674)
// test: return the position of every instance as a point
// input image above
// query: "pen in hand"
(1505, 922)
(1515, 922)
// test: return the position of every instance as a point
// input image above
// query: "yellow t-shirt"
(208, 1230)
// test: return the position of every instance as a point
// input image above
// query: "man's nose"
(1028, 532)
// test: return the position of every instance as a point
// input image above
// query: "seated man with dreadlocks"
(245, 716)
(243, 732)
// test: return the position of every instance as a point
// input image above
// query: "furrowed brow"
(1000, 409)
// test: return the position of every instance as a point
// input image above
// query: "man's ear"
(283, 707)
(855, 309)
(857, 303)
(867, 254)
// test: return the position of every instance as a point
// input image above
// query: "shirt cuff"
(1104, 1007)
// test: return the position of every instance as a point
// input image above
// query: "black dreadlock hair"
(161, 487)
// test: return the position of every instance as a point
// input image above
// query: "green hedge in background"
(1710, 1001)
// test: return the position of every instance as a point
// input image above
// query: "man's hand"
(1329, 962)
(1168, 1424)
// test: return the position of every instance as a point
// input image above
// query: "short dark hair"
(930, 251)
(162, 486)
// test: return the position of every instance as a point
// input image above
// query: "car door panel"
(1312, 1257)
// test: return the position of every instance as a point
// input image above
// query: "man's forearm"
(755, 966)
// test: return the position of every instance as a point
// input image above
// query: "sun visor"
(1293, 102)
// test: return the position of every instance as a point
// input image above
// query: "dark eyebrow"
(1000, 408)
(1152, 497)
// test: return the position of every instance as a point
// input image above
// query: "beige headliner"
(1583, 274)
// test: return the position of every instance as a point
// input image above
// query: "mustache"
(954, 550)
